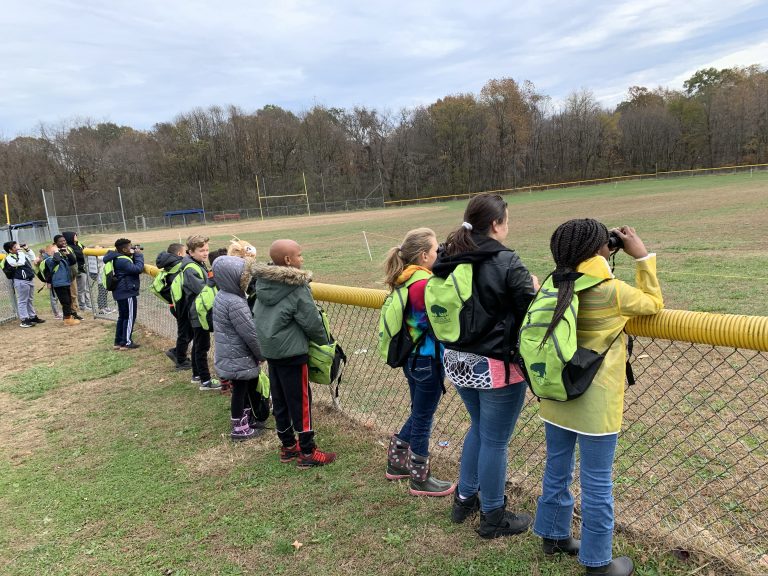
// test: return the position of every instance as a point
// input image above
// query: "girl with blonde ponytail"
(410, 265)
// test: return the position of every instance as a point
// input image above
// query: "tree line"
(509, 135)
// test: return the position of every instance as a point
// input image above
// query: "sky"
(140, 62)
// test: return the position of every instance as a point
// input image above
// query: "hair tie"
(399, 248)
(466, 225)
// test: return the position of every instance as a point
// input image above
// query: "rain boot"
(397, 459)
(423, 483)
(568, 546)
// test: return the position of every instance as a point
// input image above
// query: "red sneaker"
(289, 454)
(316, 458)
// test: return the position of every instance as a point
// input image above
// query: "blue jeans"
(425, 376)
(555, 510)
(483, 464)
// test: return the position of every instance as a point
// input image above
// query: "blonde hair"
(241, 248)
(414, 244)
(196, 241)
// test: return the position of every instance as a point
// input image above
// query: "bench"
(220, 217)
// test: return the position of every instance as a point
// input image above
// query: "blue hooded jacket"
(128, 272)
(58, 268)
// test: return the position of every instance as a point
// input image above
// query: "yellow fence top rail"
(730, 330)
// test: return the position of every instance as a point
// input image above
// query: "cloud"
(140, 62)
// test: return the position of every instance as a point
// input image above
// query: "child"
(286, 319)
(171, 262)
(192, 280)
(66, 240)
(128, 266)
(57, 265)
(410, 265)
(22, 259)
(237, 353)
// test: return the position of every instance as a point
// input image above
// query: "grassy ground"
(119, 466)
(708, 232)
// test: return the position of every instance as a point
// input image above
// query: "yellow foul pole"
(7, 212)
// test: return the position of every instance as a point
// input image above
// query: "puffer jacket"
(22, 264)
(503, 288)
(285, 314)
(128, 272)
(237, 353)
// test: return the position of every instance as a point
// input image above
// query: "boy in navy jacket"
(129, 264)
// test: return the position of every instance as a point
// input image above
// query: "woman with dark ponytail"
(480, 363)
(580, 247)
(410, 266)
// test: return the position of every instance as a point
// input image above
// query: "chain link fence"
(691, 469)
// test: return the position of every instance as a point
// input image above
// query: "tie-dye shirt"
(416, 318)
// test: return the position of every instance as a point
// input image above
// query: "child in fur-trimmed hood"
(286, 320)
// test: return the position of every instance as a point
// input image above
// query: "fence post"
(120, 196)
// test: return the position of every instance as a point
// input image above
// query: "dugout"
(32, 232)
(190, 215)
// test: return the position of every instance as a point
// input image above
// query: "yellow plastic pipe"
(729, 330)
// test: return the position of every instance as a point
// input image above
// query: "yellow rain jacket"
(603, 311)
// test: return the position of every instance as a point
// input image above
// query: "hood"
(70, 237)
(110, 255)
(229, 272)
(409, 271)
(596, 267)
(487, 247)
(167, 260)
(273, 283)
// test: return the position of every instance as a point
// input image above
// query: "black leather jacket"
(502, 289)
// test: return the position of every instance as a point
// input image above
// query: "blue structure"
(183, 213)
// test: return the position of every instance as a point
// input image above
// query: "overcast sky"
(139, 62)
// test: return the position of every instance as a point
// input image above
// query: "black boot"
(397, 459)
(423, 483)
(463, 509)
(621, 566)
(501, 522)
(568, 546)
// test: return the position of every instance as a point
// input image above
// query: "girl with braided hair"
(480, 365)
(580, 247)
(410, 266)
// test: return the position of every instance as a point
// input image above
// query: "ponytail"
(399, 257)
(481, 213)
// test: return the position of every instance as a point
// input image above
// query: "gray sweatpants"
(83, 294)
(25, 294)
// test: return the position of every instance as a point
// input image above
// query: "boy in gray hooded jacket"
(286, 320)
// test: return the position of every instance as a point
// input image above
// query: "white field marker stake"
(367, 246)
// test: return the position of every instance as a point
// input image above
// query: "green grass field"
(708, 232)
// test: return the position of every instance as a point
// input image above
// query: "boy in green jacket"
(286, 320)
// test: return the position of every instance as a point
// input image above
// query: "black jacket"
(502, 289)
(77, 248)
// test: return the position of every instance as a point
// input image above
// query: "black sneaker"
(37, 320)
(26, 324)
(131, 346)
(77, 316)
(186, 365)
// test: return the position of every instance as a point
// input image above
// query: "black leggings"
(244, 395)
(64, 296)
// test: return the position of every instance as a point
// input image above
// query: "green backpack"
(558, 369)
(326, 361)
(395, 342)
(449, 304)
(177, 285)
(109, 279)
(204, 305)
(161, 286)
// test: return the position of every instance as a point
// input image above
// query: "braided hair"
(572, 243)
